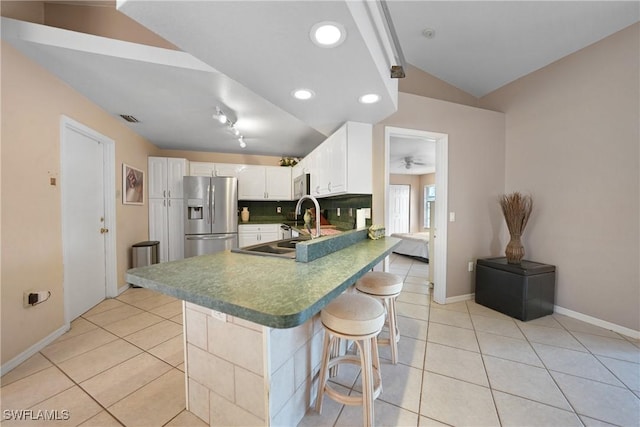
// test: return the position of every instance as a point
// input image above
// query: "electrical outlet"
(337, 211)
(218, 315)
(279, 209)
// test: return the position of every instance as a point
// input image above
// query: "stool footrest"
(352, 400)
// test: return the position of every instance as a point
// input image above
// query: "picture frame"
(132, 185)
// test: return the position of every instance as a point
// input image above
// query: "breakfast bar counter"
(251, 326)
(270, 291)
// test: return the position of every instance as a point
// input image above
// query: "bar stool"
(358, 318)
(386, 287)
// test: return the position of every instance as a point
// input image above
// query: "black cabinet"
(525, 291)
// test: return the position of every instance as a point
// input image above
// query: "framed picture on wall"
(132, 185)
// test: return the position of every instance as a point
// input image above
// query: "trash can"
(144, 253)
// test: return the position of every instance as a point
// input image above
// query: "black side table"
(525, 291)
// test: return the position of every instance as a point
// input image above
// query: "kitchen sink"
(285, 248)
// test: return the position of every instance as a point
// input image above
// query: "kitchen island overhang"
(270, 291)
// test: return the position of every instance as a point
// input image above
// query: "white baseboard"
(459, 298)
(570, 313)
(123, 288)
(34, 349)
(597, 322)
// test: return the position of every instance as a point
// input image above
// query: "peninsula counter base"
(240, 373)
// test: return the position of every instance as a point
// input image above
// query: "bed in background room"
(413, 244)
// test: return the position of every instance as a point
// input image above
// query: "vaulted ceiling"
(247, 57)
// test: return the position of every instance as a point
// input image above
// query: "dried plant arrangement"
(516, 208)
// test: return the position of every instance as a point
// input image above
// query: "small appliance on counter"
(211, 218)
(301, 186)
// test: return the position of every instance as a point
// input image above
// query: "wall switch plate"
(452, 217)
(470, 266)
(337, 211)
(279, 209)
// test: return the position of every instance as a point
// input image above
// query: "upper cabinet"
(165, 177)
(264, 183)
(342, 163)
(215, 169)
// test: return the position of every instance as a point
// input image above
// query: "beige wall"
(572, 141)
(421, 83)
(476, 177)
(102, 20)
(32, 102)
(30, 11)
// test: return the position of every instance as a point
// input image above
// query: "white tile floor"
(459, 364)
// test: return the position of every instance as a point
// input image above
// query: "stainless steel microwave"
(301, 186)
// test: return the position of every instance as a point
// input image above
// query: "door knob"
(104, 230)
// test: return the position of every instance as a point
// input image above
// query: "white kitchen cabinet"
(264, 183)
(166, 206)
(252, 234)
(228, 169)
(166, 225)
(342, 163)
(165, 177)
(215, 169)
(202, 169)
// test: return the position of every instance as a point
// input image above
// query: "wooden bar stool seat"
(358, 318)
(386, 287)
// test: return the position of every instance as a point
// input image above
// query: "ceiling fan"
(408, 162)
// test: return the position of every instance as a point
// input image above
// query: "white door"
(83, 222)
(399, 208)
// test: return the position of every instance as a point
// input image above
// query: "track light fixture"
(224, 119)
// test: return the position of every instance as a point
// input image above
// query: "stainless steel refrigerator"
(211, 218)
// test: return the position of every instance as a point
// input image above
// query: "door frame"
(109, 179)
(442, 176)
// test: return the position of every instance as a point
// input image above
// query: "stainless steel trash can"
(144, 253)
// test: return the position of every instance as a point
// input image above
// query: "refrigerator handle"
(208, 202)
(212, 205)
(212, 237)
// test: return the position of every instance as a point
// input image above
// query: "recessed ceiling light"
(328, 34)
(303, 94)
(370, 98)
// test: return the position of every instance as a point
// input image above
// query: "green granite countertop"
(270, 291)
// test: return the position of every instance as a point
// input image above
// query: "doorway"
(87, 173)
(437, 259)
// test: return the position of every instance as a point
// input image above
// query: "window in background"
(429, 196)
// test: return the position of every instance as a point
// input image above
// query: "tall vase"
(244, 214)
(514, 250)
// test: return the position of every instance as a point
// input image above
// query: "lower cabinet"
(252, 234)
(166, 225)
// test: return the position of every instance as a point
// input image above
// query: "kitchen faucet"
(315, 202)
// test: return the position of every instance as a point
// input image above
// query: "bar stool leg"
(367, 383)
(323, 371)
(394, 334)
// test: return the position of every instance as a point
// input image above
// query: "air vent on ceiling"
(130, 119)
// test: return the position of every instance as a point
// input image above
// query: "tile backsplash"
(267, 211)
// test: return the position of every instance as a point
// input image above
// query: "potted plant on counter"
(516, 209)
